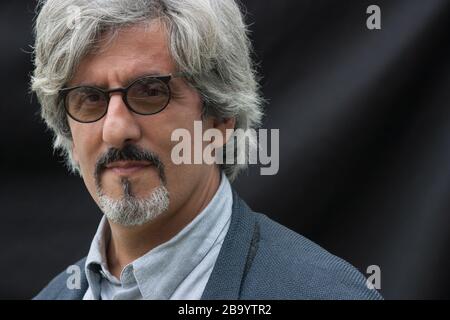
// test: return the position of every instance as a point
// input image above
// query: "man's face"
(135, 52)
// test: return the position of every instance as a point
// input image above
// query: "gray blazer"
(260, 259)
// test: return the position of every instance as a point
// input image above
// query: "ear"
(223, 125)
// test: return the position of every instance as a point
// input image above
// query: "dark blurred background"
(364, 119)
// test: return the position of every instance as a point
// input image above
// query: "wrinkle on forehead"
(126, 54)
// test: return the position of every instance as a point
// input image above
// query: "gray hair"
(132, 211)
(208, 41)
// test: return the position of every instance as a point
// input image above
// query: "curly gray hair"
(208, 41)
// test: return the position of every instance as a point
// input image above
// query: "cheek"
(180, 114)
(157, 132)
(86, 143)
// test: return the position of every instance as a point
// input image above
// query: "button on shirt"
(176, 269)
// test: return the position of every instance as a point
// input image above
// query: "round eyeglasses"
(145, 96)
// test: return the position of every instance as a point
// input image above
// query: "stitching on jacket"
(251, 253)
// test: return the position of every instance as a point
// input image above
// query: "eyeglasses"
(145, 96)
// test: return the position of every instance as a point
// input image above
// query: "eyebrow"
(128, 80)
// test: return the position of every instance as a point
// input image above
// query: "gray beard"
(130, 211)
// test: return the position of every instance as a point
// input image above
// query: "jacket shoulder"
(287, 265)
(57, 288)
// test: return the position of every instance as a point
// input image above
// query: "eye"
(151, 91)
(92, 98)
(148, 88)
(86, 98)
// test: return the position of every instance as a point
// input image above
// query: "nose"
(120, 126)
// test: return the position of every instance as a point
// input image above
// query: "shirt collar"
(161, 270)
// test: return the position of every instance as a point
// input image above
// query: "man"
(116, 79)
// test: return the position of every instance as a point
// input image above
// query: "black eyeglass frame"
(107, 94)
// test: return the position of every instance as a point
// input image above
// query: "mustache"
(129, 152)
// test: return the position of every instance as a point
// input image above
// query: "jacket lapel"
(236, 254)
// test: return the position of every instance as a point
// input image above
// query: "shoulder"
(57, 289)
(287, 265)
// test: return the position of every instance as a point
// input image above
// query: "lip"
(127, 167)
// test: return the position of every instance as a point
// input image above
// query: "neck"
(129, 243)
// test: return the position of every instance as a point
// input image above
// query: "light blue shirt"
(176, 269)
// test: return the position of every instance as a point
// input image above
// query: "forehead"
(126, 54)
